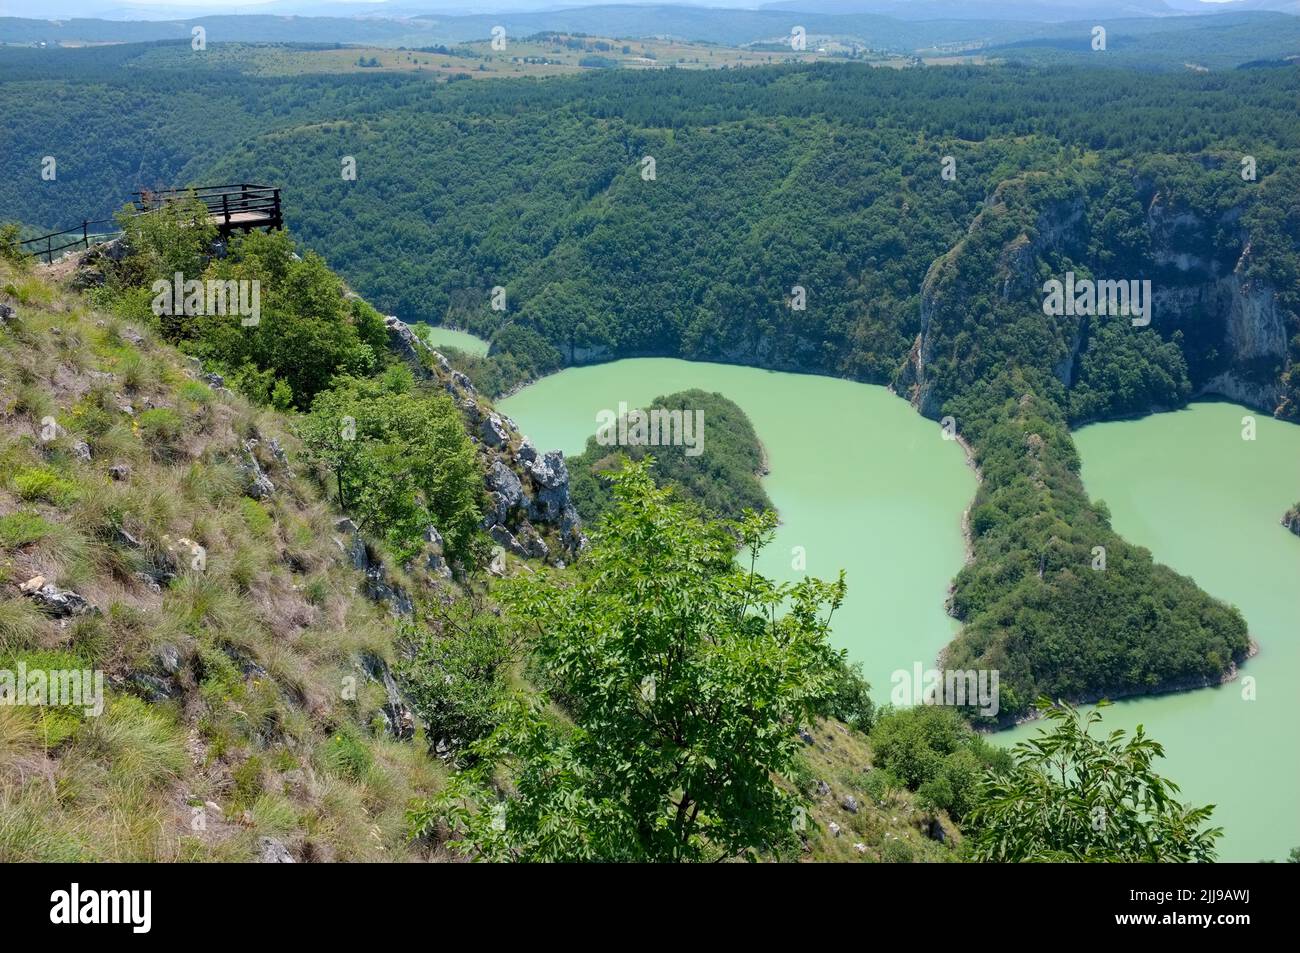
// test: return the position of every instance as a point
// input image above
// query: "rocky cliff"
(1231, 325)
(529, 512)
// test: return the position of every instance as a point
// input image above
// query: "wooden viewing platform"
(231, 208)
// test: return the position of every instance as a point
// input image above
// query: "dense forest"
(888, 226)
(723, 481)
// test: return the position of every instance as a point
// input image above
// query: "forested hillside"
(722, 476)
(822, 184)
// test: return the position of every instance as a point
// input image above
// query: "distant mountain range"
(1032, 11)
(1040, 11)
(895, 25)
(1045, 11)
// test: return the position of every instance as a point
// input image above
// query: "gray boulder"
(406, 343)
(504, 538)
(550, 479)
(54, 601)
(273, 852)
(531, 542)
(256, 483)
(493, 431)
(152, 688)
(506, 492)
(399, 720)
(169, 658)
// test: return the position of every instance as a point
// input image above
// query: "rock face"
(1193, 293)
(399, 720)
(404, 341)
(94, 265)
(256, 483)
(493, 431)
(528, 492)
(378, 587)
(273, 852)
(948, 285)
(505, 492)
(1291, 519)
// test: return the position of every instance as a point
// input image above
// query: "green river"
(450, 337)
(865, 484)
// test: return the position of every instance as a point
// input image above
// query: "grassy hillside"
(230, 714)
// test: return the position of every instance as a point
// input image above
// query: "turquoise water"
(865, 484)
(449, 337)
(1208, 504)
(860, 480)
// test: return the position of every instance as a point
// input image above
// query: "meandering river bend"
(865, 484)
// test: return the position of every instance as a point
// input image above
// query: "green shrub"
(457, 678)
(23, 528)
(161, 429)
(21, 624)
(346, 756)
(409, 465)
(41, 483)
(141, 743)
(248, 783)
(260, 522)
(196, 392)
(932, 751)
(10, 250)
(896, 851)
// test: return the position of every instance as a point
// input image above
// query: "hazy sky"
(47, 8)
(122, 9)
(167, 9)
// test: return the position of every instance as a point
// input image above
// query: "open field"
(541, 55)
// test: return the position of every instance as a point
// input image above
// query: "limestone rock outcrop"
(528, 491)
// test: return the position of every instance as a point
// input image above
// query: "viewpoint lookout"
(231, 208)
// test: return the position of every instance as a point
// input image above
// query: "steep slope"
(159, 529)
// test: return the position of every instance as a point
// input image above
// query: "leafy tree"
(849, 698)
(308, 331)
(1074, 797)
(176, 237)
(931, 750)
(10, 249)
(401, 461)
(457, 671)
(684, 684)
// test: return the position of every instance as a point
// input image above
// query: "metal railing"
(32, 247)
(224, 202)
(230, 206)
